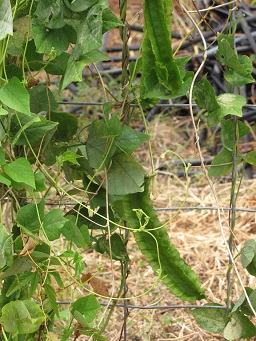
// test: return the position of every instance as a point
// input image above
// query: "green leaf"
(239, 79)
(109, 20)
(87, 306)
(2, 157)
(125, 175)
(15, 96)
(47, 40)
(31, 216)
(4, 180)
(79, 264)
(97, 145)
(21, 171)
(74, 234)
(53, 223)
(239, 327)
(228, 131)
(16, 42)
(40, 182)
(251, 268)
(242, 303)
(118, 248)
(20, 265)
(42, 99)
(6, 22)
(75, 67)
(89, 34)
(114, 127)
(250, 157)
(15, 139)
(50, 13)
(230, 104)
(6, 257)
(130, 139)
(71, 157)
(204, 95)
(227, 54)
(51, 295)
(248, 252)
(20, 281)
(241, 299)
(67, 126)
(211, 319)
(36, 129)
(3, 112)
(58, 65)
(221, 164)
(80, 5)
(22, 317)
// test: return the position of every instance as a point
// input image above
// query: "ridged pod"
(176, 274)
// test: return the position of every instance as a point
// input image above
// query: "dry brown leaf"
(97, 284)
(28, 245)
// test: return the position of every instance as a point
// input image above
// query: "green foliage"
(213, 320)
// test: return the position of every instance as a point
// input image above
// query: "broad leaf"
(2, 157)
(74, 234)
(118, 248)
(5, 248)
(40, 182)
(87, 306)
(221, 164)
(239, 79)
(98, 146)
(239, 327)
(211, 319)
(227, 54)
(6, 22)
(20, 281)
(251, 157)
(204, 95)
(20, 171)
(75, 67)
(53, 223)
(248, 252)
(130, 139)
(228, 133)
(20, 265)
(31, 216)
(21, 317)
(42, 99)
(15, 96)
(230, 104)
(80, 5)
(48, 39)
(67, 126)
(34, 129)
(125, 175)
(51, 295)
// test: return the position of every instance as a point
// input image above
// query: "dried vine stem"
(219, 209)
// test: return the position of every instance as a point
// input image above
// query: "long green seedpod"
(157, 30)
(157, 248)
